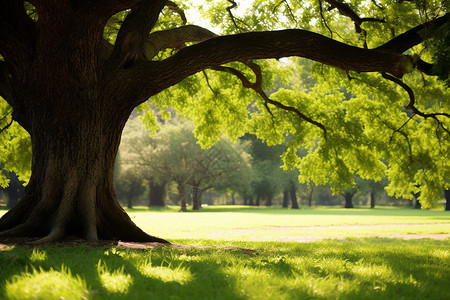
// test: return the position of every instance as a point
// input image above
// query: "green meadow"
(248, 253)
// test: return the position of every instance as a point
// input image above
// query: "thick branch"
(415, 36)
(130, 41)
(175, 38)
(345, 10)
(171, 5)
(275, 44)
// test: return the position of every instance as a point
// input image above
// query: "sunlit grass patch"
(166, 274)
(38, 255)
(115, 282)
(41, 284)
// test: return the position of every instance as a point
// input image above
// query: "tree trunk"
(233, 200)
(372, 199)
(310, 196)
(71, 190)
(182, 196)
(447, 199)
(348, 199)
(196, 194)
(157, 194)
(129, 202)
(294, 197)
(417, 204)
(269, 200)
(258, 200)
(285, 198)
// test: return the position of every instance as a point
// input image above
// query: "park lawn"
(277, 224)
(217, 268)
(346, 269)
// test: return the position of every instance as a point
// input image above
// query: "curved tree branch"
(345, 10)
(131, 38)
(171, 5)
(175, 38)
(276, 44)
(415, 36)
(412, 100)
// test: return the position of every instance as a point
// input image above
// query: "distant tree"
(348, 196)
(372, 188)
(269, 178)
(173, 153)
(129, 185)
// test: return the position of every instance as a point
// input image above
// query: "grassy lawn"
(349, 268)
(263, 224)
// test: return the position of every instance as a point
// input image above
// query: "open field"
(230, 261)
(267, 224)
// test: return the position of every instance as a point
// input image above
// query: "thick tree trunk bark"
(71, 190)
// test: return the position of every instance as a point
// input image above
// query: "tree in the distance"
(71, 72)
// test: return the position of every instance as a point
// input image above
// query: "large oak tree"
(72, 87)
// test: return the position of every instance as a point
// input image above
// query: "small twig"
(412, 100)
(377, 5)
(323, 19)
(404, 135)
(7, 125)
(401, 127)
(208, 83)
(229, 8)
(171, 5)
(233, 18)
(345, 10)
(289, 9)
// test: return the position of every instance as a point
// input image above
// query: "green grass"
(276, 224)
(350, 268)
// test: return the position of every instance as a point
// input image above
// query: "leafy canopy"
(365, 127)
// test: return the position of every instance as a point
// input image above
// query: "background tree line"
(170, 167)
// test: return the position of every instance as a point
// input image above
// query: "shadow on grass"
(349, 269)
